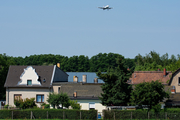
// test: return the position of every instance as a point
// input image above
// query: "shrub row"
(143, 114)
(48, 113)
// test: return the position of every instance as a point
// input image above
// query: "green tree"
(148, 93)
(115, 89)
(64, 100)
(5, 62)
(57, 99)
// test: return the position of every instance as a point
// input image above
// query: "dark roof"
(177, 71)
(89, 76)
(173, 98)
(84, 90)
(15, 72)
(148, 76)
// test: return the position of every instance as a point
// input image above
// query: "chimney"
(75, 79)
(75, 94)
(95, 80)
(58, 65)
(164, 72)
(84, 78)
(173, 90)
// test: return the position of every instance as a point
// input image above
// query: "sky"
(79, 27)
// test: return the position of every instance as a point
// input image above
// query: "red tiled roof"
(148, 76)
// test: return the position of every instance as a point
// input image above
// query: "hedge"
(141, 114)
(48, 113)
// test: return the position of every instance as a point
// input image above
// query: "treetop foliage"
(153, 61)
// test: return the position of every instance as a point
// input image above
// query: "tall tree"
(148, 93)
(5, 62)
(115, 89)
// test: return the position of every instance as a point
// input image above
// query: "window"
(29, 82)
(59, 88)
(39, 98)
(91, 105)
(178, 80)
(17, 96)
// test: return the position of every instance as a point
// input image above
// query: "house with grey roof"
(85, 87)
(38, 81)
(32, 82)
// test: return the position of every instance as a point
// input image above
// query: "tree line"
(80, 63)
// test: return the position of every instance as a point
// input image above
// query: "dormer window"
(29, 82)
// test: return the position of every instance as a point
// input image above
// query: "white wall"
(85, 105)
(26, 93)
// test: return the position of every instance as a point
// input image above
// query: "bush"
(26, 103)
(47, 106)
(6, 106)
(75, 105)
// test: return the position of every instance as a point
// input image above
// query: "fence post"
(63, 114)
(131, 115)
(114, 115)
(148, 115)
(165, 115)
(12, 114)
(47, 114)
(80, 115)
(31, 114)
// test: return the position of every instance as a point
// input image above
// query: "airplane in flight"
(105, 8)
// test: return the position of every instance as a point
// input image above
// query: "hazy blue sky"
(78, 27)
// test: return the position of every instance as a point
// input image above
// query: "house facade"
(175, 81)
(32, 82)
